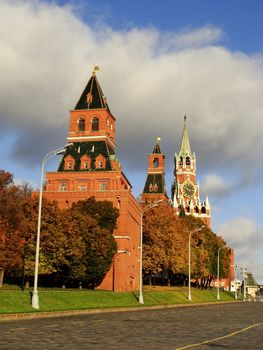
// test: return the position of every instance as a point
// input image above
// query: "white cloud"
(151, 80)
(193, 38)
(246, 239)
(214, 185)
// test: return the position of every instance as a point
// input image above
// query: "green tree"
(102, 211)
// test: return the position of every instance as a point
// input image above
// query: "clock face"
(188, 189)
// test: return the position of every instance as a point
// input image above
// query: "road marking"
(219, 338)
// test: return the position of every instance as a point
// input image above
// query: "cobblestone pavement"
(146, 329)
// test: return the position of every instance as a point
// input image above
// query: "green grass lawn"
(17, 301)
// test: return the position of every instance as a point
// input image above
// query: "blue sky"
(159, 60)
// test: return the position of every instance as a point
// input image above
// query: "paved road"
(147, 329)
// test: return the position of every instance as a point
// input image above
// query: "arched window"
(188, 161)
(85, 162)
(62, 187)
(181, 161)
(187, 209)
(151, 188)
(203, 210)
(103, 186)
(81, 124)
(155, 162)
(100, 162)
(95, 124)
(155, 188)
(196, 210)
(69, 165)
(82, 188)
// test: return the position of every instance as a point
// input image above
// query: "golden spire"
(95, 68)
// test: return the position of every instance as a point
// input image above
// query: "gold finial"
(158, 139)
(95, 68)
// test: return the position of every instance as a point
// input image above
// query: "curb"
(50, 314)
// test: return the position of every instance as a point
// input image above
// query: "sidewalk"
(39, 314)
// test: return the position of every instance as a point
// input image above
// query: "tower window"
(151, 188)
(187, 209)
(95, 124)
(86, 165)
(181, 161)
(188, 161)
(155, 162)
(81, 124)
(155, 188)
(82, 187)
(103, 186)
(203, 210)
(62, 187)
(196, 210)
(69, 165)
(100, 162)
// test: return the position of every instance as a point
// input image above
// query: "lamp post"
(218, 277)
(141, 299)
(244, 274)
(189, 261)
(35, 298)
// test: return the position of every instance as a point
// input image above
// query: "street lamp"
(141, 300)
(189, 260)
(35, 298)
(244, 274)
(218, 252)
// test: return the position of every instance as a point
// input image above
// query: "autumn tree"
(73, 246)
(204, 247)
(11, 235)
(164, 243)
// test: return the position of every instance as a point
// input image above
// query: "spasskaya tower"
(185, 189)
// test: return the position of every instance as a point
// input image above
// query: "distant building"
(91, 168)
(252, 287)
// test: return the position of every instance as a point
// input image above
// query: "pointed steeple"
(182, 212)
(92, 96)
(157, 149)
(185, 149)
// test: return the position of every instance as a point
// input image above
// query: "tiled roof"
(250, 280)
(91, 149)
(155, 184)
(92, 96)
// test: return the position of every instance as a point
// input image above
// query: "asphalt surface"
(174, 328)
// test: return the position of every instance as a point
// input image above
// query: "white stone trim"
(90, 138)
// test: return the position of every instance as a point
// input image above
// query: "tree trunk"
(2, 271)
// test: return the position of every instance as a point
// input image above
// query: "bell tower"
(90, 167)
(185, 189)
(155, 189)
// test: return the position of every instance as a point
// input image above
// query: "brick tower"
(185, 189)
(90, 168)
(155, 189)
